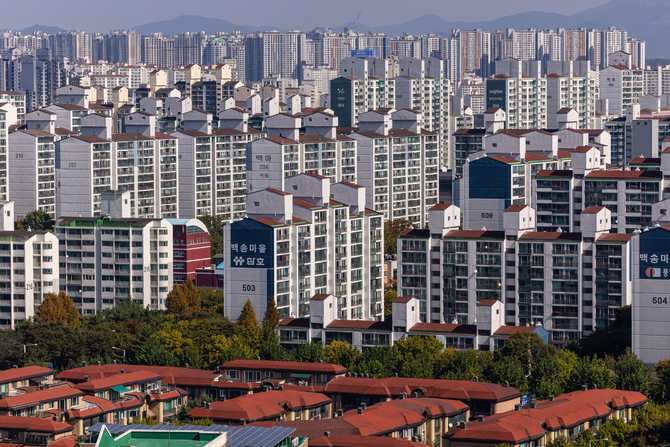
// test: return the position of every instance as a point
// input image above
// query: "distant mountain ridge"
(194, 23)
(646, 20)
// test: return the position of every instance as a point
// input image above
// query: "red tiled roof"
(582, 149)
(444, 328)
(566, 411)
(440, 206)
(34, 397)
(615, 237)
(119, 379)
(28, 372)
(487, 302)
(503, 159)
(171, 375)
(509, 330)
(645, 161)
(354, 185)
(362, 441)
(515, 208)
(280, 140)
(269, 365)
(592, 209)
(260, 406)
(564, 154)
(33, 424)
(462, 390)
(554, 173)
(403, 299)
(474, 234)
(626, 175)
(320, 297)
(363, 325)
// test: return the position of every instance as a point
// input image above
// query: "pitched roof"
(516, 207)
(650, 175)
(119, 379)
(270, 365)
(33, 424)
(592, 209)
(47, 395)
(27, 372)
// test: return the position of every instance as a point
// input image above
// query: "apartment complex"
(104, 260)
(398, 164)
(569, 283)
(314, 238)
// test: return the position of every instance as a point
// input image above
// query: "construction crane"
(353, 31)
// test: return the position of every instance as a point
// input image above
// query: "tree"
(271, 318)
(153, 353)
(211, 298)
(546, 379)
(270, 348)
(342, 353)
(419, 366)
(410, 347)
(183, 298)
(248, 315)
(378, 361)
(528, 348)
(632, 374)
(214, 226)
(311, 352)
(590, 371)
(611, 341)
(59, 308)
(191, 357)
(561, 441)
(463, 365)
(191, 404)
(389, 298)
(36, 220)
(393, 229)
(661, 389)
(510, 370)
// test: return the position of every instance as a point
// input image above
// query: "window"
(252, 376)
(232, 375)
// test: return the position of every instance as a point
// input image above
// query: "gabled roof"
(592, 209)
(516, 207)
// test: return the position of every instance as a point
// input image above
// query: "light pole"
(119, 349)
(30, 344)
(604, 439)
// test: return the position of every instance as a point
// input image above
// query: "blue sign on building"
(251, 245)
(368, 52)
(655, 255)
(525, 399)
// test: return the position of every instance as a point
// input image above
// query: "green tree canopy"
(510, 370)
(36, 220)
(342, 353)
(631, 373)
(248, 315)
(378, 362)
(153, 353)
(312, 352)
(410, 347)
(183, 298)
(528, 348)
(389, 298)
(271, 318)
(58, 308)
(590, 371)
(214, 226)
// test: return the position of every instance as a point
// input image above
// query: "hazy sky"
(100, 16)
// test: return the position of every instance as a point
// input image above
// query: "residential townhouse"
(313, 374)
(566, 416)
(13, 380)
(36, 431)
(315, 238)
(276, 405)
(103, 260)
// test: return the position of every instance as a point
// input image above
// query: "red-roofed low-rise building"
(33, 431)
(251, 371)
(273, 405)
(565, 415)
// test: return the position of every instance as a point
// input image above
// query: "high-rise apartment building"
(315, 238)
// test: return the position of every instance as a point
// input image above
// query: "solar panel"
(271, 437)
(245, 436)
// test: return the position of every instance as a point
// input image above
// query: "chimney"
(506, 384)
(585, 387)
(551, 398)
(186, 365)
(16, 366)
(517, 407)
(360, 410)
(243, 422)
(86, 378)
(463, 425)
(533, 403)
(84, 364)
(123, 371)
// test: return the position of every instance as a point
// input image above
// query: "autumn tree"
(247, 317)
(393, 229)
(183, 298)
(36, 220)
(342, 353)
(271, 318)
(58, 308)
